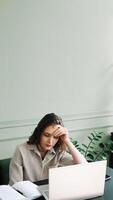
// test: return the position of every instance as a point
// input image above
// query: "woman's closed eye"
(47, 135)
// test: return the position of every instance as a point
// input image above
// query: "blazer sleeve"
(66, 159)
(16, 167)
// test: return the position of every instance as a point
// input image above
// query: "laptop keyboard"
(47, 193)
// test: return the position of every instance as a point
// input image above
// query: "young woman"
(48, 146)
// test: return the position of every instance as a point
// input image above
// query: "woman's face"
(48, 140)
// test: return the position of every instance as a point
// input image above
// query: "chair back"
(4, 171)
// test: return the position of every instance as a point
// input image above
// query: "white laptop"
(76, 182)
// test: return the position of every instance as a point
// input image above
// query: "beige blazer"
(27, 164)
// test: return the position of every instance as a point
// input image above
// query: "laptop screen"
(81, 181)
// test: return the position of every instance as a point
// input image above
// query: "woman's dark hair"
(47, 120)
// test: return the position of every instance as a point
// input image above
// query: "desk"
(108, 194)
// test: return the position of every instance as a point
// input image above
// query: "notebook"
(76, 182)
(22, 190)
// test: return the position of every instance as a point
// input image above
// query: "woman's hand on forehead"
(61, 132)
(55, 131)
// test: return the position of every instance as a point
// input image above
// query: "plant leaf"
(96, 138)
(84, 145)
(90, 138)
(101, 145)
(93, 134)
(89, 155)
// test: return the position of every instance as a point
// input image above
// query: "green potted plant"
(98, 147)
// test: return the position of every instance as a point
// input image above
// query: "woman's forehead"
(51, 128)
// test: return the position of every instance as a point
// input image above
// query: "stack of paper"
(23, 190)
(8, 193)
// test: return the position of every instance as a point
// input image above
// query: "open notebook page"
(8, 193)
(28, 189)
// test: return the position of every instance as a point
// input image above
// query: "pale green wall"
(55, 56)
